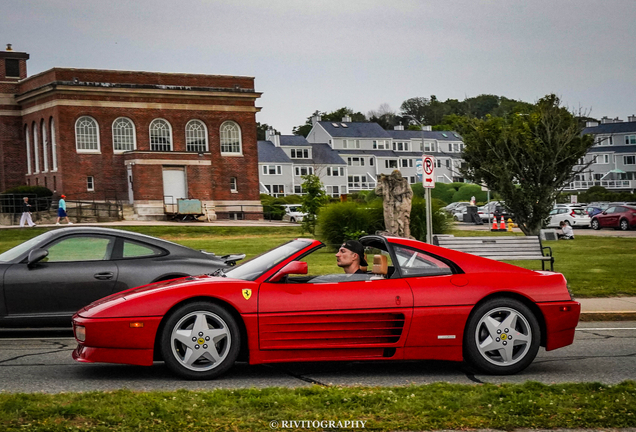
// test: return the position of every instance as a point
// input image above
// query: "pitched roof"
(436, 135)
(268, 152)
(293, 140)
(323, 154)
(611, 128)
(354, 130)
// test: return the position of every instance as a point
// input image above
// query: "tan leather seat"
(380, 265)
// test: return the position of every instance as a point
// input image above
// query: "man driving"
(350, 257)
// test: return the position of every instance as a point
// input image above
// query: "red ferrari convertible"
(418, 301)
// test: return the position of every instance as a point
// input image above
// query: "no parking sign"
(428, 168)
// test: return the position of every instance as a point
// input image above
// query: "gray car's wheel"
(200, 341)
(595, 224)
(624, 225)
(502, 337)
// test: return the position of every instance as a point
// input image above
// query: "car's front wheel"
(200, 341)
(595, 224)
(624, 225)
(502, 337)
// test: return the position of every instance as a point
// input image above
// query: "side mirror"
(35, 256)
(604, 212)
(294, 267)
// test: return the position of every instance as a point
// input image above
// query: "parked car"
(419, 301)
(293, 213)
(455, 207)
(623, 217)
(45, 280)
(572, 215)
(494, 208)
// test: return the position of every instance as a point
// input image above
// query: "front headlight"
(80, 333)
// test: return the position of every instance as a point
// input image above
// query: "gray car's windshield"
(20, 249)
(252, 269)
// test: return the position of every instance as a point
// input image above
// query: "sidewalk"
(608, 309)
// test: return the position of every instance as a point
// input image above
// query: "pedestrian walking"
(26, 213)
(61, 211)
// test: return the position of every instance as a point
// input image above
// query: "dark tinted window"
(12, 68)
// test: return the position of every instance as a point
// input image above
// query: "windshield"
(252, 269)
(20, 249)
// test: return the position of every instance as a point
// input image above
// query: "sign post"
(428, 181)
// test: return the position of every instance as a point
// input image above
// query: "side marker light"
(136, 325)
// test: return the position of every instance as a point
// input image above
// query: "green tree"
(314, 198)
(527, 159)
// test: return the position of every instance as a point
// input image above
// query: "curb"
(608, 316)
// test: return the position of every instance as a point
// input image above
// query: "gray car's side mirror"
(35, 256)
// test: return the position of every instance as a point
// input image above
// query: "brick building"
(140, 137)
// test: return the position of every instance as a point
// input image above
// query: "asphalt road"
(41, 362)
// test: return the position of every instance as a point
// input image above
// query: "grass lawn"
(594, 266)
(426, 407)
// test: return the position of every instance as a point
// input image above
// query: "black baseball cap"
(356, 247)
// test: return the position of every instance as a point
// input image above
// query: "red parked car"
(623, 217)
(419, 301)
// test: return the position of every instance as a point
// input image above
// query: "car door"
(334, 311)
(76, 272)
(554, 220)
(605, 218)
(440, 309)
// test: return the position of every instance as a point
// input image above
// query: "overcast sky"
(360, 53)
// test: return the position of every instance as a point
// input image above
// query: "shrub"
(418, 218)
(466, 192)
(341, 221)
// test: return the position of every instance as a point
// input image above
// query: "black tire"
(595, 225)
(177, 349)
(624, 225)
(524, 331)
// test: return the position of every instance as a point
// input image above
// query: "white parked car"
(293, 213)
(575, 216)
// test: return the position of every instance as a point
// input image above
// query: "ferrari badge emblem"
(247, 293)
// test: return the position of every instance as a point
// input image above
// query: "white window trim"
(277, 168)
(134, 135)
(90, 189)
(240, 140)
(205, 131)
(626, 156)
(36, 148)
(233, 185)
(604, 156)
(53, 144)
(45, 150)
(99, 145)
(627, 140)
(169, 131)
(27, 130)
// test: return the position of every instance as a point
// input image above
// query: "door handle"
(104, 275)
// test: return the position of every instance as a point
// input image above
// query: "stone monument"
(397, 195)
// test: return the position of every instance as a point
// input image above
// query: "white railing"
(361, 185)
(608, 184)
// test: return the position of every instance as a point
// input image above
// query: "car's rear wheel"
(595, 224)
(502, 337)
(200, 341)
(624, 225)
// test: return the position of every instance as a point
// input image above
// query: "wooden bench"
(500, 248)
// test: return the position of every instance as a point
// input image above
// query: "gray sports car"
(45, 280)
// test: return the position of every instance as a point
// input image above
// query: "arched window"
(160, 135)
(231, 138)
(27, 134)
(53, 146)
(36, 148)
(124, 138)
(196, 136)
(45, 147)
(86, 135)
